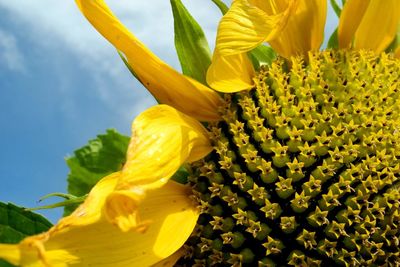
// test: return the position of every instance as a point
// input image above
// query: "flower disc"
(306, 167)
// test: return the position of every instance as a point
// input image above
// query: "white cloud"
(61, 22)
(10, 55)
(152, 23)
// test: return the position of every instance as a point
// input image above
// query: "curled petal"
(369, 24)
(162, 140)
(246, 26)
(243, 28)
(166, 84)
(121, 208)
(78, 241)
(173, 199)
(90, 210)
(291, 27)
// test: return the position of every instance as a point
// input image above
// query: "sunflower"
(292, 163)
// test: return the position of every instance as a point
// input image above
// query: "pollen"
(306, 167)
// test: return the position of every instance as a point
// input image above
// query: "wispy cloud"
(10, 55)
(59, 22)
(152, 23)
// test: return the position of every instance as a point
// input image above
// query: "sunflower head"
(305, 169)
(299, 162)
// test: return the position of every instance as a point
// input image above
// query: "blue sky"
(61, 84)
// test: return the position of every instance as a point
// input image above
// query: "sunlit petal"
(10, 252)
(162, 140)
(246, 26)
(230, 74)
(71, 242)
(121, 209)
(350, 19)
(379, 25)
(304, 30)
(368, 24)
(397, 52)
(291, 27)
(166, 84)
(243, 28)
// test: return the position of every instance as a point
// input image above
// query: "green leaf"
(333, 42)
(190, 42)
(3, 263)
(336, 8)
(16, 223)
(221, 5)
(262, 55)
(100, 157)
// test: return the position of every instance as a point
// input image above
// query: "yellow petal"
(166, 84)
(30, 252)
(100, 243)
(291, 27)
(378, 26)
(243, 28)
(397, 52)
(10, 253)
(230, 74)
(90, 210)
(121, 209)
(350, 19)
(172, 202)
(304, 30)
(246, 26)
(162, 140)
(369, 24)
(171, 260)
